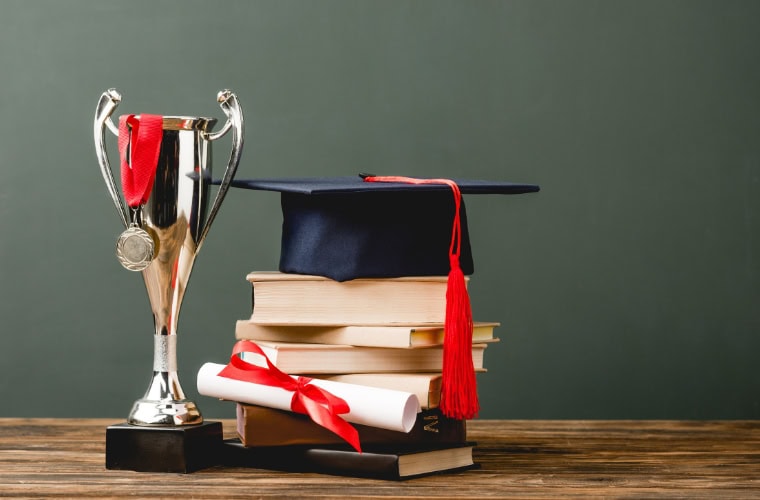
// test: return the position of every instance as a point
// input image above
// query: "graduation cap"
(346, 228)
(368, 226)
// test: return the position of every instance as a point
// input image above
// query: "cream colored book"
(358, 335)
(426, 386)
(295, 358)
(296, 299)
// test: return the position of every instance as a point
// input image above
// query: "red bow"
(320, 405)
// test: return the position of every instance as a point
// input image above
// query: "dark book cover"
(261, 426)
(392, 462)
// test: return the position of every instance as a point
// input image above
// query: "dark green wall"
(627, 288)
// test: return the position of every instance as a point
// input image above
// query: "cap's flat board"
(355, 184)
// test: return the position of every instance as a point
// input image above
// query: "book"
(294, 358)
(426, 386)
(296, 299)
(262, 426)
(399, 336)
(392, 462)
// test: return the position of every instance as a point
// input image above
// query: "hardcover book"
(296, 299)
(261, 426)
(395, 462)
(399, 336)
(334, 359)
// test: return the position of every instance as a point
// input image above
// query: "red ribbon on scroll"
(320, 405)
(138, 173)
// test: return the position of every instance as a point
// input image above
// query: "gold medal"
(135, 248)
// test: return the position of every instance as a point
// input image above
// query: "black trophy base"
(163, 449)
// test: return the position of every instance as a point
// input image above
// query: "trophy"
(166, 163)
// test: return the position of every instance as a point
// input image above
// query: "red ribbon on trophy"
(320, 405)
(138, 165)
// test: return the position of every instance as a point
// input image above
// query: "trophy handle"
(108, 102)
(229, 103)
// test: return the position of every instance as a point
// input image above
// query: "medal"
(135, 247)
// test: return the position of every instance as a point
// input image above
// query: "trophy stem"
(164, 402)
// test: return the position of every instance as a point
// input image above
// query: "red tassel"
(459, 393)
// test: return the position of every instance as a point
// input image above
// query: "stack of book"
(385, 333)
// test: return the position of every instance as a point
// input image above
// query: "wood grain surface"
(518, 459)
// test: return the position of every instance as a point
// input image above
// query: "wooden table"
(533, 459)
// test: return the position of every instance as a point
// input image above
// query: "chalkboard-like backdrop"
(628, 287)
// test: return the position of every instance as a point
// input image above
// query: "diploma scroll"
(375, 407)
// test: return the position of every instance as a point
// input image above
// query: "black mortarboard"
(345, 228)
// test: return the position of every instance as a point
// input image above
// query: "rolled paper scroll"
(372, 406)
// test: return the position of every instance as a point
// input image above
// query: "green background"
(627, 288)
